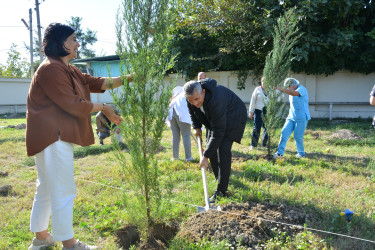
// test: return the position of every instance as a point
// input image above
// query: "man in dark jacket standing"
(224, 115)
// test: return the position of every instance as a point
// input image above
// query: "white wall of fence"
(342, 95)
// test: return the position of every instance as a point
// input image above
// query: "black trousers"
(221, 162)
(258, 124)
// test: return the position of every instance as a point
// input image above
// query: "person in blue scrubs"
(298, 117)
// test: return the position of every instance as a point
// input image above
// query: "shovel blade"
(216, 208)
(204, 209)
(201, 209)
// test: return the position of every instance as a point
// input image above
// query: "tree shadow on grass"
(80, 152)
(241, 156)
(362, 162)
(259, 173)
(349, 143)
(354, 165)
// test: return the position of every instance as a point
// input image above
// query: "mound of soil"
(345, 134)
(247, 225)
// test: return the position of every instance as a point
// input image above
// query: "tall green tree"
(15, 65)
(85, 38)
(142, 31)
(277, 67)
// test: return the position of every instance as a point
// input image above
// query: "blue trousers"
(258, 124)
(299, 129)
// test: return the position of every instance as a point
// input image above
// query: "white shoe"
(300, 156)
(81, 246)
(40, 244)
(277, 156)
(252, 148)
(189, 159)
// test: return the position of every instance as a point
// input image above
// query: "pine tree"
(142, 32)
(277, 67)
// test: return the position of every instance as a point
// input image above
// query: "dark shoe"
(123, 145)
(217, 195)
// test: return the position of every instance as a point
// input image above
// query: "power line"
(11, 26)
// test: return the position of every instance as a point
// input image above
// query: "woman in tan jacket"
(58, 116)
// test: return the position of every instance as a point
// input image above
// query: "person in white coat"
(257, 107)
(180, 123)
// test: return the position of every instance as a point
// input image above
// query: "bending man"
(224, 115)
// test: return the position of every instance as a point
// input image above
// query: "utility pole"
(30, 28)
(39, 29)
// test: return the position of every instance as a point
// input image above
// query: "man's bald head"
(201, 76)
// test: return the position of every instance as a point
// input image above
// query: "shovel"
(205, 188)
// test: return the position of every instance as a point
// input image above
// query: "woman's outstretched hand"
(110, 112)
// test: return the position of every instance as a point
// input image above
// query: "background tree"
(238, 36)
(277, 67)
(142, 31)
(15, 65)
(85, 38)
(335, 37)
(222, 35)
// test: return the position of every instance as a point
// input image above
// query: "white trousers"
(55, 191)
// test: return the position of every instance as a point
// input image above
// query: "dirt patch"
(3, 174)
(345, 134)
(246, 225)
(18, 126)
(5, 190)
(127, 236)
(162, 234)
(314, 134)
(241, 158)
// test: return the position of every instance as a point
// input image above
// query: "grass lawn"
(338, 174)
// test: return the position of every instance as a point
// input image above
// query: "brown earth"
(247, 225)
(345, 134)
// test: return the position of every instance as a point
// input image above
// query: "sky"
(97, 15)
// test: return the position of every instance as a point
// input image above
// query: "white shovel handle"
(205, 188)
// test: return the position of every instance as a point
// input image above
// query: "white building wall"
(341, 87)
(13, 94)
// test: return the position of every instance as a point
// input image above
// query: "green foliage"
(142, 28)
(278, 63)
(335, 36)
(237, 35)
(85, 38)
(15, 65)
(221, 35)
